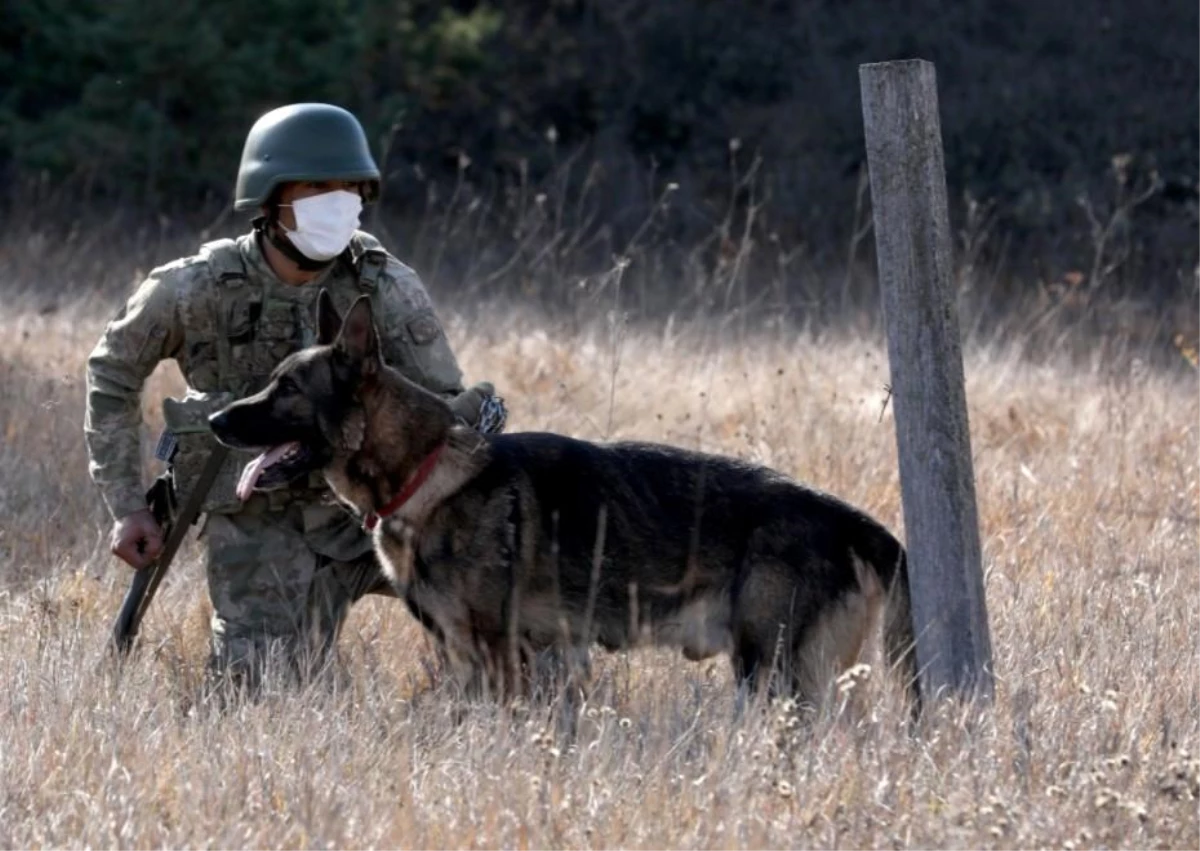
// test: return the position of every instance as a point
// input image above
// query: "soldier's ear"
(358, 338)
(329, 321)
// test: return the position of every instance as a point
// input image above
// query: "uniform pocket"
(423, 328)
(241, 319)
(188, 421)
(260, 573)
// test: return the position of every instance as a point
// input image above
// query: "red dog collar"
(372, 519)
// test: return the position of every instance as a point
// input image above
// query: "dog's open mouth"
(274, 468)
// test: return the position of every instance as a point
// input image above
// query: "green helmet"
(303, 141)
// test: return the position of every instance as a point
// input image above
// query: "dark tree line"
(1056, 116)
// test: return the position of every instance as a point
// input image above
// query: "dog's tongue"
(255, 468)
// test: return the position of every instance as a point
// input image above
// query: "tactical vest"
(252, 332)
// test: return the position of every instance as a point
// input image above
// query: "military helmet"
(303, 141)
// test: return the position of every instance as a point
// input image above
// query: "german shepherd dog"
(509, 545)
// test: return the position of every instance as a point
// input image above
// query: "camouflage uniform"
(284, 567)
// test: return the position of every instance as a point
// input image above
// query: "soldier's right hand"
(137, 538)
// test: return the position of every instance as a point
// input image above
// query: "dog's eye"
(286, 387)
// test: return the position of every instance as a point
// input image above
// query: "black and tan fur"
(528, 541)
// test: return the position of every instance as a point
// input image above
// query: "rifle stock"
(161, 501)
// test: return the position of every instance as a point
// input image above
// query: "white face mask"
(324, 223)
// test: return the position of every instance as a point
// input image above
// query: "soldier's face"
(291, 192)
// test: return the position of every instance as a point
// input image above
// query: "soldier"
(283, 567)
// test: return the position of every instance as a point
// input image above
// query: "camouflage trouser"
(278, 604)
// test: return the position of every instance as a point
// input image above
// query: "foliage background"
(1056, 118)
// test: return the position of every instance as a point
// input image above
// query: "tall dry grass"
(1087, 485)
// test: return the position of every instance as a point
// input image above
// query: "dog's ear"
(329, 321)
(358, 338)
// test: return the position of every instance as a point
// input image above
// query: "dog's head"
(321, 402)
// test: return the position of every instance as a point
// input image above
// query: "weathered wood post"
(937, 484)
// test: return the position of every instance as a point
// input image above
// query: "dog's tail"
(899, 640)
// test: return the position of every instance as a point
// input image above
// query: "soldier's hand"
(137, 539)
(479, 407)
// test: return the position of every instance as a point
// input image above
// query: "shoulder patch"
(424, 328)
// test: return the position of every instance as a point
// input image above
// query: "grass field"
(1087, 487)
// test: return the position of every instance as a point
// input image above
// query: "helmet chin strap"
(270, 229)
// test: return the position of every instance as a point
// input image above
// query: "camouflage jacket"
(227, 320)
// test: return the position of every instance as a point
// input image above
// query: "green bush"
(148, 101)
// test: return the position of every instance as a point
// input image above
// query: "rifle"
(161, 501)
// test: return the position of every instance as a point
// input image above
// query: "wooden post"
(912, 239)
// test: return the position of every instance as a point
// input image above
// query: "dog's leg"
(466, 663)
(573, 679)
(834, 643)
(506, 668)
(468, 675)
(761, 623)
(752, 674)
(578, 669)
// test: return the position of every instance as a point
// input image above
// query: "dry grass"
(1087, 485)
